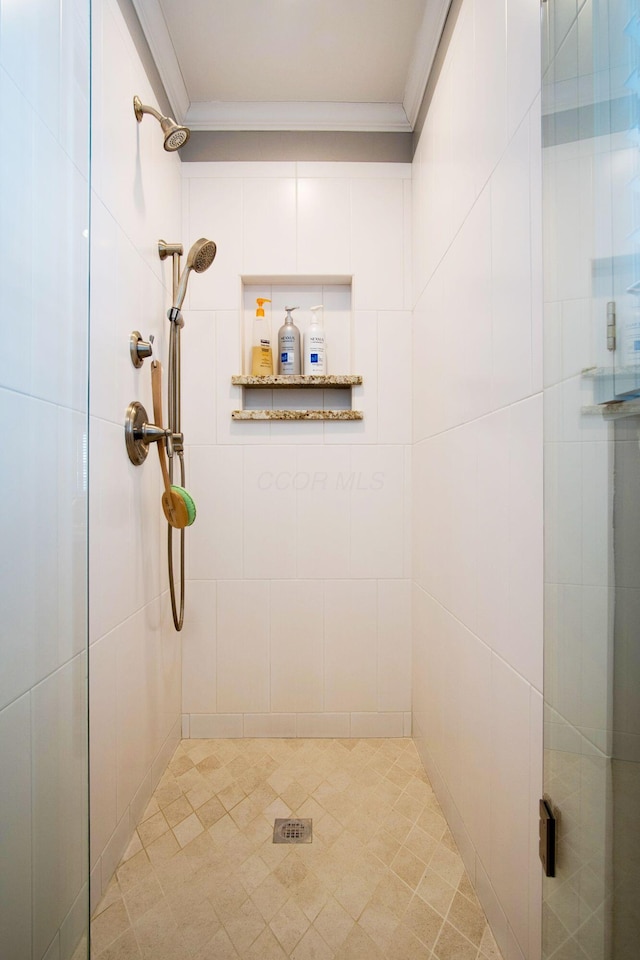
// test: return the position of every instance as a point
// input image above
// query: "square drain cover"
(292, 831)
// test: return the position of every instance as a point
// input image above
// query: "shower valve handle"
(140, 349)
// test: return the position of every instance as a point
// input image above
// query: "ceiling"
(294, 64)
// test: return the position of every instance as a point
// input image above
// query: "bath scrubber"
(188, 502)
(177, 504)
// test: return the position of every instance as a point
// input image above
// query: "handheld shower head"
(200, 257)
(175, 136)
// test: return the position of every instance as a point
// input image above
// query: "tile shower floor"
(202, 879)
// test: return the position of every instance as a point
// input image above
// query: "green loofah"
(188, 502)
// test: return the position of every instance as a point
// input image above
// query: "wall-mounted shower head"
(200, 257)
(175, 136)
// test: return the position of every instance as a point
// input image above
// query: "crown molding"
(424, 53)
(155, 29)
(293, 115)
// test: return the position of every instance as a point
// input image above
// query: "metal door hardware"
(611, 325)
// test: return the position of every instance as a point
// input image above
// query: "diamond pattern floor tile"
(202, 880)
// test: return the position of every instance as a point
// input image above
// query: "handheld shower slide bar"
(178, 506)
(200, 257)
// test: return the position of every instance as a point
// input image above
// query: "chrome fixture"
(140, 349)
(175, 136)
(139, 433)
(199, 259)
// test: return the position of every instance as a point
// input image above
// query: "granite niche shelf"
(276, 382)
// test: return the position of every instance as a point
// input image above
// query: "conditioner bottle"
(289, 346)
(315, 357)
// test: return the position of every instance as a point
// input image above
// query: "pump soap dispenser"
(315, 358)
(289, 346)
(261, 353)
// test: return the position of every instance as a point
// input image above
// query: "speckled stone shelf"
(343, 380)
(297, 415)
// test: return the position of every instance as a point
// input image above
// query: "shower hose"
(175, 448)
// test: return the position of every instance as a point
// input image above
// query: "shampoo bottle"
(289, 346)
(315, 358)
(261, 353)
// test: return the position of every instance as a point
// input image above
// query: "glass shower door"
(592, 476)
(44, 279)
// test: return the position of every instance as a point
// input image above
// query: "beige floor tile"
(292, 871)
(152, 808)
(266, 947)
(244, 926)
(208, 764)
(311, 895)
(112, 893)
(227, 897)
(289, 925)
(384, 846)
(353, 893)
(432, 823)
(163, 848)
(405, 946)
(134, 871)
(269, 897)
(252, 872)
(124, 948)
(223, 829)
(151, 829)
(435, 891)
(135, 846)
(488, 946)
(109, 926)
(333, 923)
(465, 887)
(393, 893)
(328, 828)
(157, 934)
(177, 811)
(449, 865)
(409, 807)
(231, 796)
(358, 946)
(467, 918)
(312, 947)
(200, 793)
(451, 945)
(258, 831)
(218, 948)
(408, 867)
(143, 897)
(167, 792)
(174, 873)
(188, 830)
(397, 825)
(378, 832)
(380, 924)
(210, 812)
(421, 844)
(198, 924)
(423, 921)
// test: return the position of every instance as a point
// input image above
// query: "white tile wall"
(243, 646)
(297, 636)
(136, 673)
(15, 842)
(301, 525)
(477, 455)
(43, 403)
